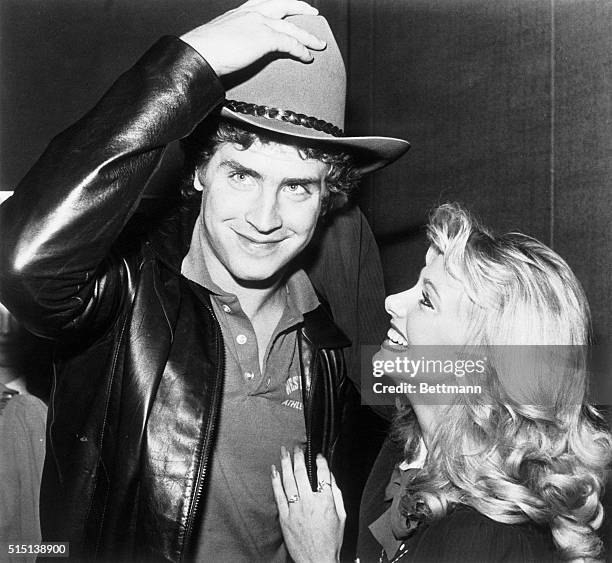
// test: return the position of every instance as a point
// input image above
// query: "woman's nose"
(397, 304)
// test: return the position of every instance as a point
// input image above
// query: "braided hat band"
(286, 115)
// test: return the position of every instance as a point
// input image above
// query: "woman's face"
(433, 312)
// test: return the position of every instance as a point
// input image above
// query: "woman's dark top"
(463, 535)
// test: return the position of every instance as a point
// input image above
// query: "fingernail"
(284, 452)
(319, 456)
(297, 450)
(274, 471)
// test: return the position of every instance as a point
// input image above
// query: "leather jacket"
(140, 360)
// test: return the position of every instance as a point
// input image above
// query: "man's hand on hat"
(242, 36)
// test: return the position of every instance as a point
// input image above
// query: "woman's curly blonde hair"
(537, 452)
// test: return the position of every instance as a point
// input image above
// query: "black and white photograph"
(309, 281)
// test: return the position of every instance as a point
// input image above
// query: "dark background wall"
(508, 106)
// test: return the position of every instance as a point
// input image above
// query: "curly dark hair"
(199, 147)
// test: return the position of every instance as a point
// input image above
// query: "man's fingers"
(338, 501)
(281, 8)
(287, 44)
(242, 36)
(279, 493)
(307, 39)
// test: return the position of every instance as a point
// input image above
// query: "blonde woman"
(513, 473)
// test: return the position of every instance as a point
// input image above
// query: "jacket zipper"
(308, 408)
(205, 454)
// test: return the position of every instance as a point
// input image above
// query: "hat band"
(285, 115)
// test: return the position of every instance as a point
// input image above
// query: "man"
(22, 451)
(189, 356)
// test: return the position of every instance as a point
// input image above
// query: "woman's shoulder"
(465, 534)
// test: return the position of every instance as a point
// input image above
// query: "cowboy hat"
(307, 101)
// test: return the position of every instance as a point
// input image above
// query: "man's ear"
(196, 182)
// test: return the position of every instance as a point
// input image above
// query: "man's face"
(260, 209)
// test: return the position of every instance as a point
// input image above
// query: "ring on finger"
(321, 486)
(293, 498)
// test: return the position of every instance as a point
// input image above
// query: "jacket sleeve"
(57, 230)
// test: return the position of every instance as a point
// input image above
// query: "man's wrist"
(185, 39)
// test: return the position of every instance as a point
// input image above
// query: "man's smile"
(254, 243)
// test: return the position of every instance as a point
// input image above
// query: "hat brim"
(371, 153)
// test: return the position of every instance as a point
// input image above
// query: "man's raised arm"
(57, 230)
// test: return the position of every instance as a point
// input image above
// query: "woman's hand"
(312, 523)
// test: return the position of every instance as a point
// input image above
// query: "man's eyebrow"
(240, 168)
(302, 181)
(427, 282)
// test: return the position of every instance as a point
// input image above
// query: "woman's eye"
(425, 301)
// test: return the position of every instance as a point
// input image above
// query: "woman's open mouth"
(395, 341)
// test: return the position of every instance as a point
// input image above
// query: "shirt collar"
(301, 293)
(419, 459)
(194, 267)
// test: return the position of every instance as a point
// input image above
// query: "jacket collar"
(321, 330)
(171, 239)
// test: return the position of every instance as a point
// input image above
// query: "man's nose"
(397, 304)
(264, 214)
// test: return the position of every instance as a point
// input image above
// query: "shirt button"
(241, 339)
(249, 375)
(227, 308)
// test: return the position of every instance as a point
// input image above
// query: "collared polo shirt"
(261, 410)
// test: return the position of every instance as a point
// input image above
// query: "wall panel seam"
(552, 160)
